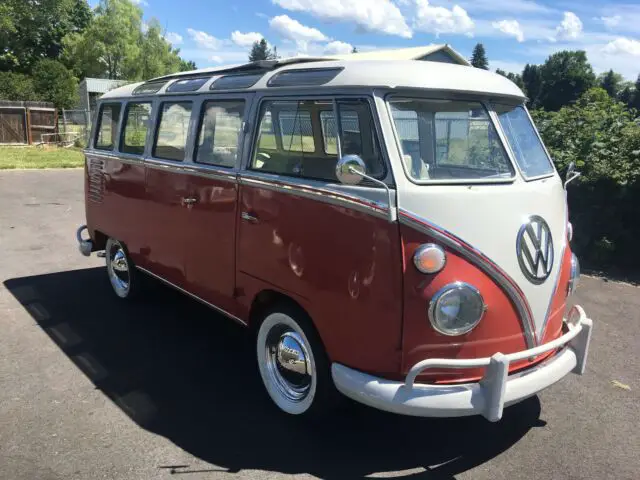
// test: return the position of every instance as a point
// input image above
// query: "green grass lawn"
(36, 157)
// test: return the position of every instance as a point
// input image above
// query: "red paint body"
(351, 271)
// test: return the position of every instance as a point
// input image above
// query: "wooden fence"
(24, 123)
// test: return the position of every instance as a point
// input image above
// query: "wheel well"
(99, 240)
(266, 299)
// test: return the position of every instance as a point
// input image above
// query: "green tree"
(479, 57)
(187, 65)
(532, 81)
(354, 50)
(627, 91)
(635, 101)
(566, 75)
(34, 29)
(157, 57)
(611, 82)
(514, 77)
(602, 137)
(110, 47)
(17, 87)
(53, 82)
(261, 51)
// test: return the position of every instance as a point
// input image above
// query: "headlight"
(456, 309)
(574, 277)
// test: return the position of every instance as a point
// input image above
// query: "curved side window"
(107, 128)
(523, 140)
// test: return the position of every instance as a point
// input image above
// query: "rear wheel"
(123, 277)
(293, 364)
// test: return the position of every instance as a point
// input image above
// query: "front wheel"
(293, 365)
(123, 276)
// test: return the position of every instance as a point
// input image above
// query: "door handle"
(249, 218)
(189, 201)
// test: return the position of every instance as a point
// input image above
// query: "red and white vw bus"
(391, 230)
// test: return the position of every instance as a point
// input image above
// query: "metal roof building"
(90, 89)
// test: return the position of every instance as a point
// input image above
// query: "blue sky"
(514, 32)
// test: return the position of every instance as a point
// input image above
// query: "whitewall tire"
(293, 364)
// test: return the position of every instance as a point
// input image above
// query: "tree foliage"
(514, 77)
(602, 137)
(611, 82)
(114, 46)
(261, 51)
(479, 57)
(17, 87)
(34, 29)
(565, 75)
(53, 82)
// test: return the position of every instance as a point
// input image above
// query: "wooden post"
(29, 137)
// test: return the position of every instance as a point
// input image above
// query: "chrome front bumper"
(85, 246)
(486, 397)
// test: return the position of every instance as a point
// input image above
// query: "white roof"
(394, 74)
(102, 85)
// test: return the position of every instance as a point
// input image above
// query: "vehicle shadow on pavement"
(180, 370)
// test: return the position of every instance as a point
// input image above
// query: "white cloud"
(143, 3)
(623, 46)
(144, 27)
(338, 48)
(291, 29)
(611, 22)
(442, 20)
(371, 15)
(216, 59)
(204, 40)
(514, 6)
(511, 28)
(570, 28)
(245, 39)
(173, 38)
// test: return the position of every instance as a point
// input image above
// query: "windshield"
(525, 143)
(446, 140)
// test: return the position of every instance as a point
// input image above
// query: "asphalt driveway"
(91, 387)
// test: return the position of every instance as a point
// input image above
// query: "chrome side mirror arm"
(392, 215)
(571, 174)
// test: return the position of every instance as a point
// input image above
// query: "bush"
(602, 137)
(17, 87)
(55, 83)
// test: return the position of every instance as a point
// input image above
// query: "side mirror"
(350, 170)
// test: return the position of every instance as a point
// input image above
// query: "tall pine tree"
(610, 81)
(532, 81)
(635, 102)
(261, 51)
(479, 57)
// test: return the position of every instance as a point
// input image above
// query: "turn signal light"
(429, 258)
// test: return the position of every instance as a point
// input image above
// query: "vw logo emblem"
(534, 247)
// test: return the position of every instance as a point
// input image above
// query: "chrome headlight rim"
(447, 290)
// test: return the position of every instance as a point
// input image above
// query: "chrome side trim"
(195, 297)
(205, 171)
(325, 195)
(483, 262)
(104, 156)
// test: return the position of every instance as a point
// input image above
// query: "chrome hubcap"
(118, 270)
(288, 365)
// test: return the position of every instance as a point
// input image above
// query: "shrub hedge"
(602, 137)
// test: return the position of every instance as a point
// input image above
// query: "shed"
(91, 89)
